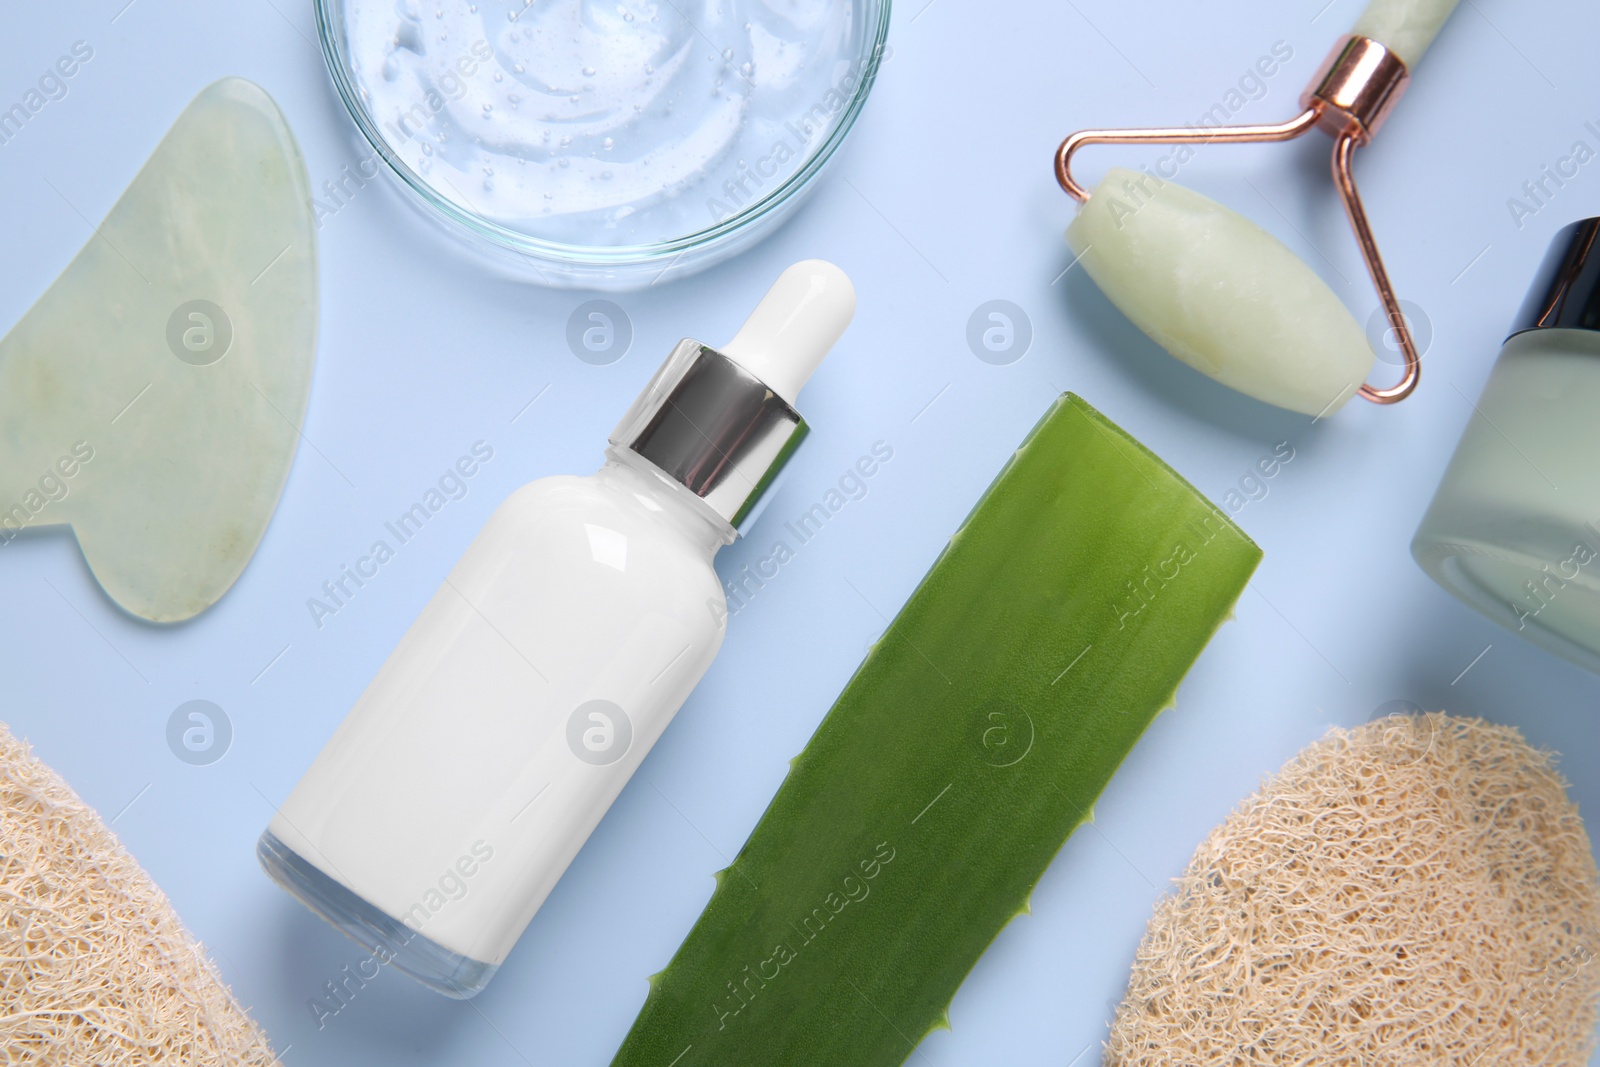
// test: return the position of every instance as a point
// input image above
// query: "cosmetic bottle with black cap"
(1514, 529)
(511, 714)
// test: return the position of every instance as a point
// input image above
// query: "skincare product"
(459, 788)
(972, 741)
(1220, 293)
(600, 145)
(1514, 529)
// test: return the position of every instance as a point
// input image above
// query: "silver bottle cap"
(721, 421)
(712, 427)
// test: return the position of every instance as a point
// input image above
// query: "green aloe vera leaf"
(968, 746)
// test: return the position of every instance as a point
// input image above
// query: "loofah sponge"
(95, 967)
(1418, 890)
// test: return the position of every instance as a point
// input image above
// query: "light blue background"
(943, 200)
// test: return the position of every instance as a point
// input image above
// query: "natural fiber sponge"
(1418, 890)
(95, 967)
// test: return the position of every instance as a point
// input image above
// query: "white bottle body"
(517, 706)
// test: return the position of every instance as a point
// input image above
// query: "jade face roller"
(1222, 294)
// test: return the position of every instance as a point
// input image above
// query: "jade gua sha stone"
(971, 742)
(153, 396)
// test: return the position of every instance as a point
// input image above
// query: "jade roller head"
(1222, 294)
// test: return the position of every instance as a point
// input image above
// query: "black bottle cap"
(1566, 292)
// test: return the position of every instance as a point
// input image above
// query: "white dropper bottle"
(499, 731)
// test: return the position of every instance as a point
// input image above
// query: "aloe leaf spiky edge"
(974, 738)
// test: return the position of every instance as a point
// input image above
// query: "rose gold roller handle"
(1356, 88)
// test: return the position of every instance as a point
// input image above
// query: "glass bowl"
(602, 145)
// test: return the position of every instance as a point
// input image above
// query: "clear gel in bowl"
(604, 144)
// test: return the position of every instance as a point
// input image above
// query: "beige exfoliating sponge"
(1418, 890)
(96, 970)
